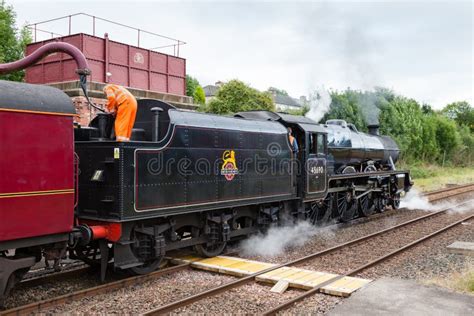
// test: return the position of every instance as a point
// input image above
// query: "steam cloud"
(319, 103)
(280, 239)
(368, 105)
(414, 200)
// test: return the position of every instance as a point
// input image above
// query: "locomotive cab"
(313, 161)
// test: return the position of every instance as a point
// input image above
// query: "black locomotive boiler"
(189, 179)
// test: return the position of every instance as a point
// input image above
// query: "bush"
(199, 96)
(236, 96)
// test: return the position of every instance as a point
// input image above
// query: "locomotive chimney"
(374, 129)
(156, 123)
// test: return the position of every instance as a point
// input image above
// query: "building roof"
(210, 90)
(286, 100)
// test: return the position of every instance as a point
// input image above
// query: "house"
(211, 90)
(284, 102)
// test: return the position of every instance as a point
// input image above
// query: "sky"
(420, 49)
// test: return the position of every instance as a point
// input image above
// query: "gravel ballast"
(256, 298)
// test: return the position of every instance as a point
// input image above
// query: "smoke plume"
(319, 103)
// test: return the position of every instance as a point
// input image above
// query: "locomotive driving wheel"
(321, 211)
(367, 204)
(346, 206)
(395, 201)
(379, 203)
(394, 197)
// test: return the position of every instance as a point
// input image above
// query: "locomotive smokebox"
(374, 129)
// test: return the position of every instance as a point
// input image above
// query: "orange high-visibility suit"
(124, 104)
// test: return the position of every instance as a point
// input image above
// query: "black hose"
(83, 82)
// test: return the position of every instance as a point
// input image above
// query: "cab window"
(313, 144)
(321, 144)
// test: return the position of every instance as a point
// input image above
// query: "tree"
(344, 106)
(12, 41)
(199, 96)
(236, 96)
(447, 137)
(403, 120)
(194, 89)
(302, 111)
(461, 112)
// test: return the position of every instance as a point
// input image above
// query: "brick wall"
(82, 109)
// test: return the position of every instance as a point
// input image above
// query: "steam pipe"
(82, 65)
(43, 51)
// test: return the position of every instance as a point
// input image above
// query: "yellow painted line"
(37, 193)
(32, 192)
(37, 112)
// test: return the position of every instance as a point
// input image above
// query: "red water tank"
(128, 65)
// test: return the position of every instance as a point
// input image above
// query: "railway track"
(108, 287)
(365, 266)
(433, 196)
(440, 194)
(251, 278)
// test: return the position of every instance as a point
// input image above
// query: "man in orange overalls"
(124, 105)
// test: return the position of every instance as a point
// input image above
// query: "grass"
(433, 177)
(459, 281)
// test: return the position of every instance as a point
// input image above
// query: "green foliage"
(236, 96)
(302, 111)
(421, 133)
(461, 112)
(199, 96)
(402, 119)
(344, 105)
(191, 85)
(421, 172)
(12, 41)
(194, 89)
(470, 282)
(466, 151)
(447, 137)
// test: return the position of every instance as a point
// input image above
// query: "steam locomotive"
(185, 179)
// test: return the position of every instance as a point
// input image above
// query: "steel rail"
(445, 190)
(380, 259)
(104, 288)
(250, 278)
(36, 280)
(41, 305)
